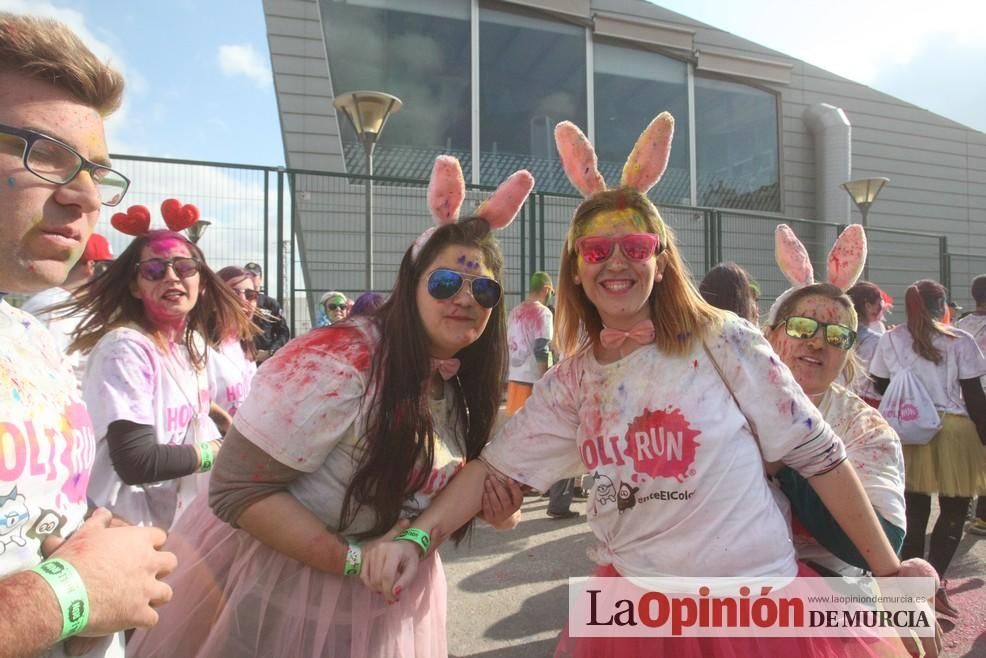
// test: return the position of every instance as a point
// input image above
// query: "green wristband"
(416, 536)
(70, 591)
(354, 560)
(208, 456)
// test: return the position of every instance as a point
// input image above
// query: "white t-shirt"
(230, 372)
(61, 326)
(304, 411)
(46, 445)
(679, 481)
(527, 323)
(961, 359)
(873, 449)
(976, 326)
(129, 378)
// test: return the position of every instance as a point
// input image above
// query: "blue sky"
(200, 86)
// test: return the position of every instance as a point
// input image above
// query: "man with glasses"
(96, 257)
(60, 578)
(274, 332)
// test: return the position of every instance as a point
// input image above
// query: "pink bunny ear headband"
(845, 262)
(137, 219)
(643, 169)
(447, 190)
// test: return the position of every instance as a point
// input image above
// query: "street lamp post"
(367, 112)
(863, 193)
(197, 230)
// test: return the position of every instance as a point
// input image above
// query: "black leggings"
(947, 532)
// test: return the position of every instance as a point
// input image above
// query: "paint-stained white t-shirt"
(526, 324)
(230, 373)
(129, 378)
(961, 359)
(304, 410)
(679, 481)
(976, 326)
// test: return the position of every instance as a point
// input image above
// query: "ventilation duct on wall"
(833, 160)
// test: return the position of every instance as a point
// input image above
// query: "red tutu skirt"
(235, 597)
(725, 647)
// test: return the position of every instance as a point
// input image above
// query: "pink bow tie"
(641, 333)
(447, 368)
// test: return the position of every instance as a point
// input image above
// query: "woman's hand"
(501, 503)
(220, 417)
(375, 555)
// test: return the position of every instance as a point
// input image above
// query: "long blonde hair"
(679, 313)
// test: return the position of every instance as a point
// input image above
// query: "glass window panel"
(417, 50)
(532, 75)
(631, 88)
(736, 143)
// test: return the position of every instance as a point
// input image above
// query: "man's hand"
(121, 568)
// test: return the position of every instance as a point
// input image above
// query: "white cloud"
(243, 59)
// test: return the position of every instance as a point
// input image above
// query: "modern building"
(757, 132)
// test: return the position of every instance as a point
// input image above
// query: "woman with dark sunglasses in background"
(348, 431)
(947, 361)
(233, 362)
(145, 326)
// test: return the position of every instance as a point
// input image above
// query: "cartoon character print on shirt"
(625, 497)
(48, 523)
(14, 515)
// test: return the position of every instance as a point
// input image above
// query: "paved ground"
(508, 591)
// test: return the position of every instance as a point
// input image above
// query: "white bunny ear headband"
(447, 190)
(845, 262)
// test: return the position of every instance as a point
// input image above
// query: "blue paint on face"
(10, 181)
(461, 260)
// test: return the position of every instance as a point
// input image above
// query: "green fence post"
(523, 246)
(291, 257)
(266, 221)
(533, 227)
(541, 222)
(280, 236)
(943, 265)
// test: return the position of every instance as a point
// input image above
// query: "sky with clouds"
(199, 83)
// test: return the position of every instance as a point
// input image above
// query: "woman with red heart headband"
(145, 324)
(349, 431)
(658, 398)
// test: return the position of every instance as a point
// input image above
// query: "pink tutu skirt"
(235, 597)
(725, 647)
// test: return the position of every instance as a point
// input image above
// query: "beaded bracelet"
(207, 457)
(416, 536)
(354, 560)
(70, 591)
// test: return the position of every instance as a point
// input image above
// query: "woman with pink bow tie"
(643, 403)
(348, 432)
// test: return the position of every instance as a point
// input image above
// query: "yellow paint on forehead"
(609, 220)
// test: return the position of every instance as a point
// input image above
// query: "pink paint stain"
(662, 444)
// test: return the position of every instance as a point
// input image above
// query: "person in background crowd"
(232, 364)
(56, 174)
(867, 299)
(755, 298)
(727, 286)
(145, 326)
(347, 431)
(269, 317)
(947, 361)
(367, 304)
(530, 331)
(975, 323)
(334, 307)
(96, 257)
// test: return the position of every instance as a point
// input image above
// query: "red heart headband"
(137, 219)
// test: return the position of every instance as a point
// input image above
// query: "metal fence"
(307, 229)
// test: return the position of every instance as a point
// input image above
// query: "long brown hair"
(679, 313)
(106, 303)
(925, 304)
(399, 430)
(727, 286)
(231, 275)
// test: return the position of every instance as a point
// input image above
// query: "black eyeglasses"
(155, 269)
(58, 163)
(836, 335)
(336, 307)
(445, 284)
(247, 294)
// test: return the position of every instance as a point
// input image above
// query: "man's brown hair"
(46, 50)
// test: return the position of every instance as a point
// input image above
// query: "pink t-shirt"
(47, 442)
(679, 480)
(304, 410)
